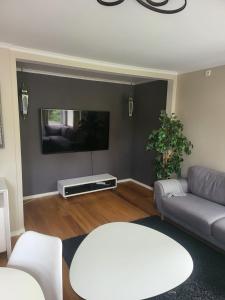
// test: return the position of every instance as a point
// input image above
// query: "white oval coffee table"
(126, 261)
(18, 285)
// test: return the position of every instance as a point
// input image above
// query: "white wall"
(9, 159)
(201, 107)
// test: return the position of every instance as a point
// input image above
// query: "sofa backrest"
(53, 130)
(207, 183)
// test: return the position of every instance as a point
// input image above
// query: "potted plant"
(170, 144)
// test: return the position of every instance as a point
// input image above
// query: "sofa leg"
(162, 217)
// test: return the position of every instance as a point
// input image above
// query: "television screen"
(74, 130)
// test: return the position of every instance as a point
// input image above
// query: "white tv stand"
(88, 184)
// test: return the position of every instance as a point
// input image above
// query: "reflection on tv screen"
(74, 130)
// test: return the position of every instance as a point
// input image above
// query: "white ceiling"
(126, 34)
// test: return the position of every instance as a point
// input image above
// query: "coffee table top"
(16, 284)
(126, 261)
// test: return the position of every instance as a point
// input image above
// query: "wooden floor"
(78, 215)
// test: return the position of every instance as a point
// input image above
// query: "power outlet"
(208, 73)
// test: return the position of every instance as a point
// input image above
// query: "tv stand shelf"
(88, 184)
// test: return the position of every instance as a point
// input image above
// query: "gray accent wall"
(41, 172)
(150, 99)
(125, 158)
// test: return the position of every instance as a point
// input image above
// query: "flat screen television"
(74, 130)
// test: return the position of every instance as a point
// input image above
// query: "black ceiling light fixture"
(110, 3)
(157, 6)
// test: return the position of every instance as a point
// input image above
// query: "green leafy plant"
(170, 145)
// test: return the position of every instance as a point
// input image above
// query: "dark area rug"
(207, 281)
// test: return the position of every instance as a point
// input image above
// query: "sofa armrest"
(169, 186)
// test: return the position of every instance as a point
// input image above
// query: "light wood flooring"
(78, 215)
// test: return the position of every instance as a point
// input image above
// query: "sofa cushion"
(218, 230)
(54, 130)
(194, 211)
(69, 133)
(207, 183)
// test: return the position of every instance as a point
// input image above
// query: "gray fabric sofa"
(196, 203)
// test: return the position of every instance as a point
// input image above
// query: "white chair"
(41, 256)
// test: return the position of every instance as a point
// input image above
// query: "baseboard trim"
(17, 232)
(124, 180)
(40, 195)
(142, 184)
(137, 182)
(56, 192)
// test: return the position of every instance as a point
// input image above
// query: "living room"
(118, 152)
(105, 231)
